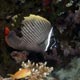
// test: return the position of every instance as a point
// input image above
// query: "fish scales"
(34, 31)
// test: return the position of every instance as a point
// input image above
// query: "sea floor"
(70, 72)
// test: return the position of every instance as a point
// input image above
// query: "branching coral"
(31, 71)
(72, 72)
(38, 70)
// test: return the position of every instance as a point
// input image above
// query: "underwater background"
(63, 53)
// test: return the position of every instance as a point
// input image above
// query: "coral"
(71, 72)
(39, 71)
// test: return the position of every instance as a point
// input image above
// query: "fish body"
(23, 73)
(34, 33)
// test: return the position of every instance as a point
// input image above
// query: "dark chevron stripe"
(27, 33)
(38, 26)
